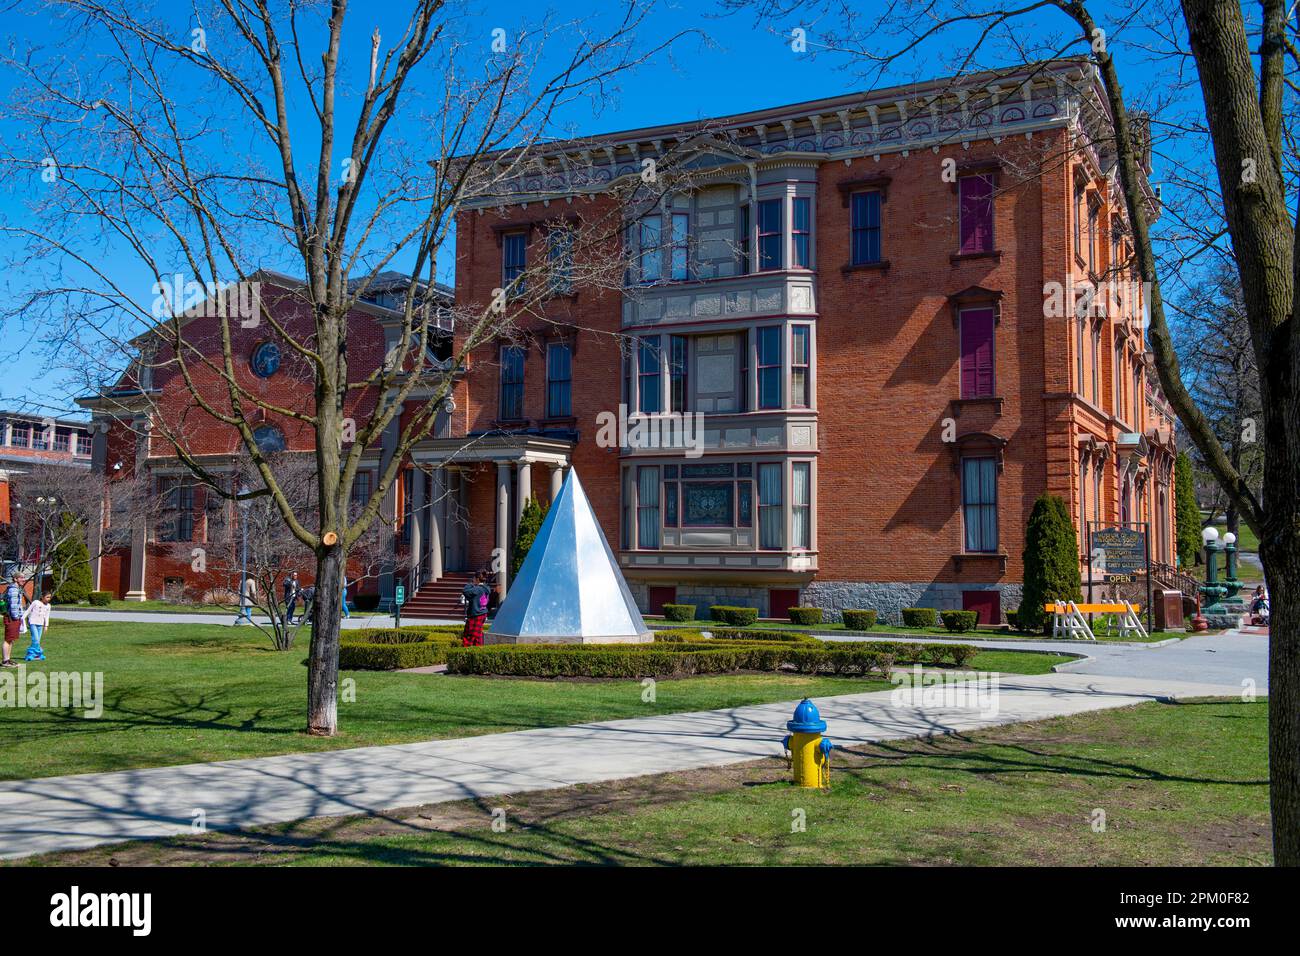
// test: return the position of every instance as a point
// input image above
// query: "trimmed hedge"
(679, 612)
(959, 622)
(735, 616)
(99, 598)
(679, 656)
(919, 616)
(390, 657)
(388, 648)
(805, 615)
(859, 620)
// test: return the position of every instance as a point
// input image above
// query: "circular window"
(269, 438)
(265, 360)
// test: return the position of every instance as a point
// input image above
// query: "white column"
(557, 480)
(140, 530)
(438, 509)
(525, 469)
(417, 535)
(503, 524)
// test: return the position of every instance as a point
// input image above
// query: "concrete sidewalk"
(63, 813)
(358, 618)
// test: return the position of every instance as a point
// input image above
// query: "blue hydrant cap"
(807, 720)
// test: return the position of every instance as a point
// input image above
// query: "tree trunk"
(323, 661)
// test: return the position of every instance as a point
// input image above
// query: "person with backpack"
(475, 598)
(13, 611)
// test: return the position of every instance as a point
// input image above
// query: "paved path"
(1228, 658)
(61, 813)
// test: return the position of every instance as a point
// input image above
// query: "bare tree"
(235, 136)
(52, 505)
(1239, 211)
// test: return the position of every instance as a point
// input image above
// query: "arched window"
(269, 439)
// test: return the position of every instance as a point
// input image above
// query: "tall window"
(647, 506)
(648, 374)
(975, 211)
(976, 353)
(513, 245)
(20, 434)
(801, 505)
(770, 238)
(62, 439)
(799, 366)
(178, 502)
(979, 500)
(559, 380)
(680, 251)
(801, 232)
(769, 367)
(84, 446)
(1098, 473)
(651, 255)
(1080, 193)
(512, 383)
(361, 489)
(1117, 376)
(677, 361)
(742, 250)
(39, 440)
(1094, 235)
(1078, 348)
(1083, 505)
(559, 259)
(864, 219)
(1096, 364)
(1138, 396)
(771, 514)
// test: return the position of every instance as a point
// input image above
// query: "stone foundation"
(886, 598)
(889, 598)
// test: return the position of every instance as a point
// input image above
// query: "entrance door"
(780, 600)
(659, 596)
(987, 603)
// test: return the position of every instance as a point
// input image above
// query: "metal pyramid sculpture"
(570, 589)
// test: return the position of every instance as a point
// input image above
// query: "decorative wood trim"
(995, 400)
(879, 184)
(881, 266)
(971, 167)
(501, 229)
(976, 295)
(982, 444)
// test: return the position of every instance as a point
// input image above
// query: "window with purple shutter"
(976, 353)
(976, 213)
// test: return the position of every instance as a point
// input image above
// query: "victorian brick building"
(903, 317)
(900, 317)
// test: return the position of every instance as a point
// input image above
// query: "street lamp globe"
(1229, 539)
(1209, 535)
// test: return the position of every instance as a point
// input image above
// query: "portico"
(441, 472)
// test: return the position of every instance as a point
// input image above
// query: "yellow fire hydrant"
(808, 751)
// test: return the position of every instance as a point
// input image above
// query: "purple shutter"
(976, 353)
(976, 213)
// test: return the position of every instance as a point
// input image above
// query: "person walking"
(290, 596)
(345, 596)
(37, 617)
(475, 599)
(13, 611)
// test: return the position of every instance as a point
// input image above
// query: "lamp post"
(38, 584)
(245, 599)
(1212, 589)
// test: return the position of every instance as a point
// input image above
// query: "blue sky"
(730, 64)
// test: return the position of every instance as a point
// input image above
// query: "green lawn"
(1179, 784)
(182, 693)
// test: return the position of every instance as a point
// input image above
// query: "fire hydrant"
(808, 751)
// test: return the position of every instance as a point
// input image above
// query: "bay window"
(801, 232)
(801, 505)
(678, 358)
(650, 255)
(679, 248)
(800, 366)
(771, 237)
(769, 366)
(647, 506)
(649, 375)
(771, 513)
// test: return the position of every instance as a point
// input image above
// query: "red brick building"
(899, 318)
(151, 557)
(874, 301)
